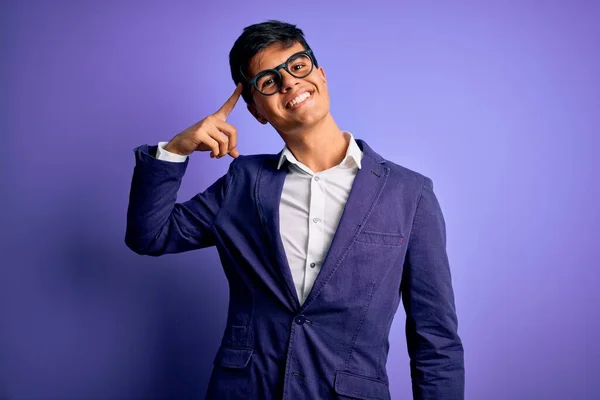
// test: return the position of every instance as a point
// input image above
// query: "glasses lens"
(300, 66)
(268, 83)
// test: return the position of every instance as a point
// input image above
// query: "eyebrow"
(283, 62)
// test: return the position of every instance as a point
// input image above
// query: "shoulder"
(406, 175)
(250, 165)
(407, 178)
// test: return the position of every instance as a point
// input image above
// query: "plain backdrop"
(498, 102)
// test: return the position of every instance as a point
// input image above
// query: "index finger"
(231, 101)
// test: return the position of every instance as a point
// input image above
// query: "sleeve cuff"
(164, 155)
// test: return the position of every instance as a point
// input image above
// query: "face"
(300, 103)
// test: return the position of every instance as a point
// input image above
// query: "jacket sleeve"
(156, 224)
(434, 346)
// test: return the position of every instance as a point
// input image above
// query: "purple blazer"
(390, 245)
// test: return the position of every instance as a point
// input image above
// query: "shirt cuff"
(164, 155)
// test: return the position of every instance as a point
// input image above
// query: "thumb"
(234, 153)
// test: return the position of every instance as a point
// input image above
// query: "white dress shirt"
(310, 209)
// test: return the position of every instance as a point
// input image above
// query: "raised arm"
(156, 224)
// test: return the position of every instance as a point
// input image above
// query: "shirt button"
(317, 178)
(300, 319)
(312, 265)
(315, 220)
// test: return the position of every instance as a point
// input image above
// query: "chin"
(305, 123)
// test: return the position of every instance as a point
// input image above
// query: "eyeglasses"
(268, 82)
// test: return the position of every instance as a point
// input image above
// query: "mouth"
(298, 100)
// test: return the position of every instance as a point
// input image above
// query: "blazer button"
(300, 319)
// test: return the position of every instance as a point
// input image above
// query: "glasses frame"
(252, 82)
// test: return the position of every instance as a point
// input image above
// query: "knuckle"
(220, 138)
(200, 136)
(209, 121)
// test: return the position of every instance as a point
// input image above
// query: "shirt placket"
(316, 232)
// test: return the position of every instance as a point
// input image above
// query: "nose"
(287, 80)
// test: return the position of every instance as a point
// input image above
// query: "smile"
(296, 101)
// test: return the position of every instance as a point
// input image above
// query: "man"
(319, 243)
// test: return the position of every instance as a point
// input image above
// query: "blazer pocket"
(360, 387)
(233, 357)
(382, 238)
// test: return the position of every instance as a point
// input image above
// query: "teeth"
(299, 99)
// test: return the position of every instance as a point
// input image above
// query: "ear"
(322, 74)
(256, 114)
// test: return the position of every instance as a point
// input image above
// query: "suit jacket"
(390, 245)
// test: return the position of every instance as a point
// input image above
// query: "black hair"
(254, 39)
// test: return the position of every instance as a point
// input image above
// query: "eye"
(268, 82)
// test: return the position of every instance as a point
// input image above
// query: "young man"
(319, 243)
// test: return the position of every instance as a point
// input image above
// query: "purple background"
(498, 103)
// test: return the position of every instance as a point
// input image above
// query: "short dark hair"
(254, 39)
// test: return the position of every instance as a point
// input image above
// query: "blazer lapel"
(368, 185)
(268, 195)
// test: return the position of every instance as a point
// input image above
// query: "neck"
(319, 147)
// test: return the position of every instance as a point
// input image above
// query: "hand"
(213, 133)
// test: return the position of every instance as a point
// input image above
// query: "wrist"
(171, 148)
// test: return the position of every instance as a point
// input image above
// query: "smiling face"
(300, 103)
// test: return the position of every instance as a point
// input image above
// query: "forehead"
(271, 57)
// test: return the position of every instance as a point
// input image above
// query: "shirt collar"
(353, 154)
